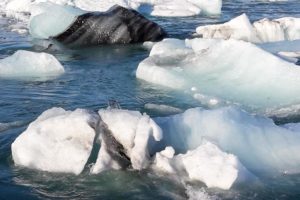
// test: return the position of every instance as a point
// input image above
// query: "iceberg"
(80, 28)
(207, 163)
(264, 30)
(215, 71)
(261, 146)
(216, 147)
(57, 141)
(30, 64)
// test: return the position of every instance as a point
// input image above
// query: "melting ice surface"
(253, 78)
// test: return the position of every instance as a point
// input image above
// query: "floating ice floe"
(57, 141)
(30, 64)
(264, 30)
(258, 143)
(207, 163)
(217, 71)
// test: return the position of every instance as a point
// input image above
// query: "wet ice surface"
(92, 77)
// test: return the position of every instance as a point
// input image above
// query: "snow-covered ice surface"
(30, 64)
(264, 30)
(57, 141)
(215, 71)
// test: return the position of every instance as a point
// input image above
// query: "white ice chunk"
(30, 64)
(219, 69)
(260, 145)
(57, 141)
(264, 30)
(207, 163)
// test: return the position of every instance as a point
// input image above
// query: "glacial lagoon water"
(93, 77)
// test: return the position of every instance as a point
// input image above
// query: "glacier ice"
(211, 146)
(57, 141)
(46, 21)
(30, 64)
(264, 30)
(216, 71)
(207, 163)
(260, 145)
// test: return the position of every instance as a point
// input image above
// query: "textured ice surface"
(57, 141)
(259, 144)
(210, 146)
(213, 70)
(264, 30)
(207, 163)
(30, 64)
(133, 131)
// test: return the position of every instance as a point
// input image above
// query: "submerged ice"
(216, 71)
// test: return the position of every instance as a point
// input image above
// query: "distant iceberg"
(170, 8)
(264, 30)
(216, 71)
(30, 64)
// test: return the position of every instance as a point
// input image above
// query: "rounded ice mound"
(207, 163)
(57, 141)
(30, 64)
(253, 78)
(260, 145)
